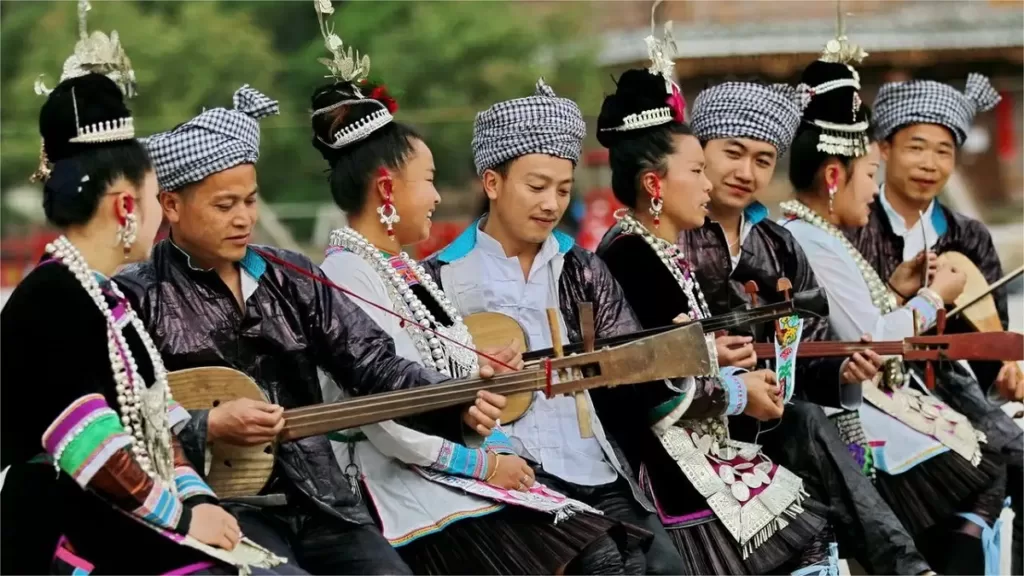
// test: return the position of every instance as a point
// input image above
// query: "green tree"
(183, 62)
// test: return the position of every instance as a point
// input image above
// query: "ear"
(383, 184)
(650, 183)
(883, 147)
(834, 173)
(492, 182)
(124, 204)
(171, 204)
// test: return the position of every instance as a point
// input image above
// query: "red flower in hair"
(677, 104)
(380, 94)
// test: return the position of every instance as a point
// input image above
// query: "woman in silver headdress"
(929, 463)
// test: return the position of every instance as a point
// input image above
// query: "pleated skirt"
(516, 541)
(709, 548)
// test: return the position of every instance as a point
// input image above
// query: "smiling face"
(685, 187)
(213, 219)
(414, 195)
(738, 169)
(530, 199)
(918, 162)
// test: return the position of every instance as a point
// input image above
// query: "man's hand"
(1010, 382)
(212, 525)
(245, 422)
(764, 399)
(510, 355)
(483, 415)
(736, 351)
(862, 365)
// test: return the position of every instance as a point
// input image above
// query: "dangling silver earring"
(128, 231)
(832, 189)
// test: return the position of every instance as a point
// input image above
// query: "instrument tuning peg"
(784, 287)
(751, 289)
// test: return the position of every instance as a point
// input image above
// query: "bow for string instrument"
(978, 308)
(244, 470)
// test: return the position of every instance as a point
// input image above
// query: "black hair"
(805, 160)
(82, 172)
(354, 166)
(632, 153)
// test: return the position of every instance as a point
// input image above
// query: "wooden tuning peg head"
(784, 287)
(751, 289)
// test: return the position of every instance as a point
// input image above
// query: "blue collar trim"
(939, 221)
(755, 213)
(466, 241)
(253, 264)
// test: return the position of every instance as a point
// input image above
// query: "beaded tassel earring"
(656, 202)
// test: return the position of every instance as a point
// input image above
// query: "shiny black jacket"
(621, 409)
(769, 252)
(883, 249)
(290, 327)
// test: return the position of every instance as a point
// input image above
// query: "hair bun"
(636, 91)
(333, 112)
(74, 103)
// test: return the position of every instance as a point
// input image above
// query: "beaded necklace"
(454, 361)
(143, 409)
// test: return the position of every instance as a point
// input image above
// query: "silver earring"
(389, 217)
(127, 232)
(832, 189)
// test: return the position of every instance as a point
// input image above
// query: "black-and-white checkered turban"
(538, 124)
(769, 113)
(899, 104)
(214, 141)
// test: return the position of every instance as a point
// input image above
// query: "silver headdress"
(829, 91)
(96, 53)
(662, 52)
(347, 66)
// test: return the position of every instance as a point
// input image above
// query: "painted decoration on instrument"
(787, 339)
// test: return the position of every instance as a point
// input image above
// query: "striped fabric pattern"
(189, 484)
(161, 507)
(458, 460)
(84, 436)
(498, 442)
(176, 414)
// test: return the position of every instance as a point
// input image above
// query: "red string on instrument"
(547, 378)
(386, 310)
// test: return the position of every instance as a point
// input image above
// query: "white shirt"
(486, 279)
(913, 239)
(851, 314)
(408, 504)
(851, 311)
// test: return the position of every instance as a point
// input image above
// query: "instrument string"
(327, 282)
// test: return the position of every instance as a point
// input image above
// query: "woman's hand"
(736, 351)
(212, 525)
(510, 472)
(483, 415)
(862, 365)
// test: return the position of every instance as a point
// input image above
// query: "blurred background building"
(445, 61)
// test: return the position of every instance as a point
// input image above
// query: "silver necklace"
(143, 409)
(881, 297)
(668, 253)
(450, 360)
